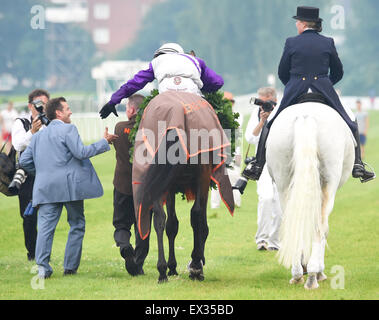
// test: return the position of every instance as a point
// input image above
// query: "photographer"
(22, 131)
(269, 212)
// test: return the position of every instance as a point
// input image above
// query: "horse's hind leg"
(321, 275)
(297, 273)
(159, 225)
(316, 264)
(172, 227)
(199, 224)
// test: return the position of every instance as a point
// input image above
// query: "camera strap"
(248, 149)
(2, 148)
(26, 123)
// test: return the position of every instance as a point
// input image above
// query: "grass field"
(234, 268)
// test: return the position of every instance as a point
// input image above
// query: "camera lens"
(240, 184)
(44, 119)
(18, 179)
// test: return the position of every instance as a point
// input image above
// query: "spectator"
(362, 120)
(23, 130)
(269, 211)
(64, 177)
(8, 116)
(123, 206)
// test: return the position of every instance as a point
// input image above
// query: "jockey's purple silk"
(211, 81)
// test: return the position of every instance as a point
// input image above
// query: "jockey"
(174, 71)
(304, 67)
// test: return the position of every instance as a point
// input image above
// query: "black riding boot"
(255, 167)
(359, 170)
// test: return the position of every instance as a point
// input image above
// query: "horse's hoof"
(197, 276)
(196, 273)
(321, 276)
(311, 282)
(172, 273)
(162, 280)
(297, 280)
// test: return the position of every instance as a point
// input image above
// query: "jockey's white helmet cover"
(169, 48)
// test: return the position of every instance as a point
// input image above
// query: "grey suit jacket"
(60, 162)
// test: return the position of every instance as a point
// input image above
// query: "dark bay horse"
(164, 182)
(184, 144)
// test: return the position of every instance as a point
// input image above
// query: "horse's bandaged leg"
(314, 264)
(297, 273)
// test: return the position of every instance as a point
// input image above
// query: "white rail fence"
(91, 127)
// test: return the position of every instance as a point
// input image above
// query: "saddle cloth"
(199, 131)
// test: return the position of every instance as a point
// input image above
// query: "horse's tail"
(302, 214)
(159, 177)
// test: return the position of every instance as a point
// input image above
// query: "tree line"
(242, 40)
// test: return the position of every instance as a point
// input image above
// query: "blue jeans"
(48, 217)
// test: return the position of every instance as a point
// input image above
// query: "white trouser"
(234, 174)
(269, 211)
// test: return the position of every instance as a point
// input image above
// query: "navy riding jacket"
(310, 60)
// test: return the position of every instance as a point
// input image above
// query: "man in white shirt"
(22, 131)
(269, 211)
(234, 172)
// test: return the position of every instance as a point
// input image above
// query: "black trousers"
(29, 222)
(123, 219)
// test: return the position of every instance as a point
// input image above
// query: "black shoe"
(360, 172)
(47, 275)
(128, 254)
(68, 272)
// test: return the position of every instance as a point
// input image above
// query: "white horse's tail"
(302, 215)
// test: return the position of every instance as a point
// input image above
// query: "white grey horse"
(310, 154)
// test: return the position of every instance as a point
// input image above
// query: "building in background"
(113, 24)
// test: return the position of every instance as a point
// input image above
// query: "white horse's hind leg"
(321, 275)
(327, 206)
(316, 264)
(297, 273)
(313, 266)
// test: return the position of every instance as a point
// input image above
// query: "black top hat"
(307, 14)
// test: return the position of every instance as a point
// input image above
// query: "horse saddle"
(311, 97)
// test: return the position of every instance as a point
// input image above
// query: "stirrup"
(363, 177)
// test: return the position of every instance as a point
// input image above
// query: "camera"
(38, 105)
(267, 106)
(18, 179)
(247, 174)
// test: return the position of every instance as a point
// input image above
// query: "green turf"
(234, 268)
